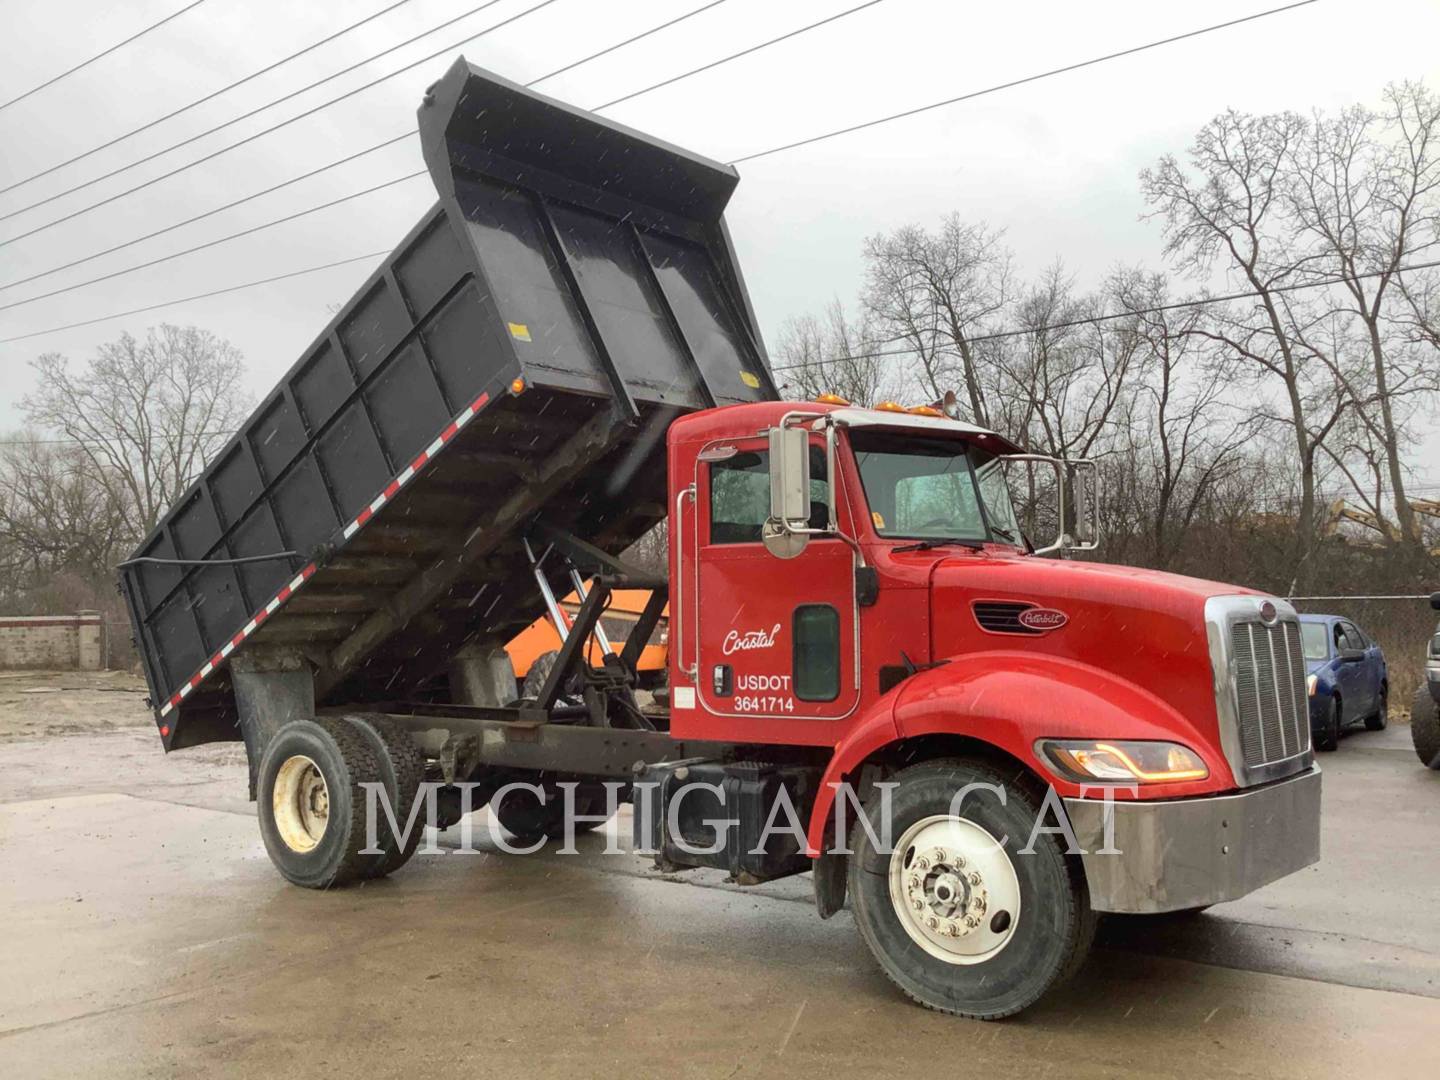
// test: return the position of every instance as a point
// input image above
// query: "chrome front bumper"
(1184, 853)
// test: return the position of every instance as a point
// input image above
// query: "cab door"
(777, 639)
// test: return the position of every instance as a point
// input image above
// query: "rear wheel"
(957, 917)
(1425, 727)
(1381, 716)
(402, 770)
(312, 803)
(1328, 736)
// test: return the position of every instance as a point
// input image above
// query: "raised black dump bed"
(516, 360)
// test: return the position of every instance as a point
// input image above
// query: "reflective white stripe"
(271, 606)
(351, 529)
(164, 709)
(248, 628)
(404, 477)
(434, 448)
(227, 648)
(378, 503)
(206, 669)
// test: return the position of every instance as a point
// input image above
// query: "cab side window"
(740, 496)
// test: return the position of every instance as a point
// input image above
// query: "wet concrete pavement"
(146, 934)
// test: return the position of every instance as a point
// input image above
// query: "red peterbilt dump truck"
(979, 746)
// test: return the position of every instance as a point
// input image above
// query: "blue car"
(1347, 679)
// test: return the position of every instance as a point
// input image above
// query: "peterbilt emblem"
(1040, 618)
(1268, 613)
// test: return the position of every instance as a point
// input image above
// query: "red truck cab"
(1159, 719)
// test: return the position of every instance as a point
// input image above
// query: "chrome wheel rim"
(300, 803)
(954, 889)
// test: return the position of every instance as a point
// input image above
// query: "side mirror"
(783, 533)
(1435, 600)
(1351, 656)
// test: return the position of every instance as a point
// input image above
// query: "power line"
(1020, 82)
(201, 217)
(260, 109)
(216, 242)
(293, 180)
(1092, 320)
(737, 55)
(101, 55)
(196, 296)
(628, 41)
(872, 123)
(202, 100)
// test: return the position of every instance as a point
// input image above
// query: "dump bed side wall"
(613, 315)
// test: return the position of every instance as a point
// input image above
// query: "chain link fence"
(1401, 625)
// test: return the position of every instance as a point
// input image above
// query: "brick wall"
(53, 642)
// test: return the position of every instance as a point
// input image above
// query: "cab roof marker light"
(889, 406)
(925, 410)
(830, 399)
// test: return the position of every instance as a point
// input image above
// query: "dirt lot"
(147, 935)
(34, 704)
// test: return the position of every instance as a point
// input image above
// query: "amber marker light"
(830, 399)
(889, 406)
(925, 410)
(517, 386)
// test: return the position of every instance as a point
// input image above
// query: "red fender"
(1010, 699)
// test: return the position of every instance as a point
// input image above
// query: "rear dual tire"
(917, 910)
(312, 799)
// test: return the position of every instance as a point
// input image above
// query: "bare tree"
(1181, 440)
(56, 518)
(935, 292)
(831, 354)
(1227, 207)
(1364, 199)
(144, 415)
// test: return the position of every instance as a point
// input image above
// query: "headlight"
(1125, 761)
(1310, 681)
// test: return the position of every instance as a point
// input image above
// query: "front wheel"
(1381, 716)
(1425, 727)
(957, 915)
(1328, 735)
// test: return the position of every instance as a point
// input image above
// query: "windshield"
(1316, 640)
(928, 489)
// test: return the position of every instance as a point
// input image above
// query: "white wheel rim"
(301, 803)
(954, 889)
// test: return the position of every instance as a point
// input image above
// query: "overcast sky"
(1054, 162)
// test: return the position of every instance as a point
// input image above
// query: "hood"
(1144, 626)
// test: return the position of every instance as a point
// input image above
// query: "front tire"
(1425, 727)
(960, 923)
(1381, 717)
(311, 802)
(1328, 737)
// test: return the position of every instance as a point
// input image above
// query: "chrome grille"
(1269, 680)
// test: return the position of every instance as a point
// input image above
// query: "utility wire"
(1019, 82)
(736, 55)
(202, 100)
(293, 180)
(1092, 320)
(871, 123)
(260, 109)
(196, 296)
(101, 55)
(202, 217)
(214, 243)
(406, 134)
